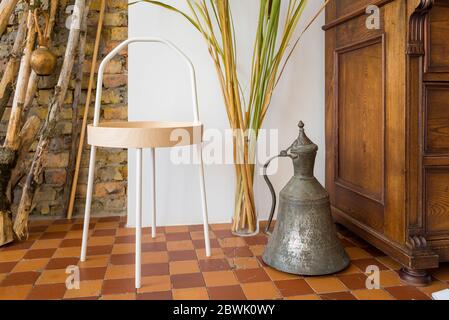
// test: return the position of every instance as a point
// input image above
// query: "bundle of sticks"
(20, 82)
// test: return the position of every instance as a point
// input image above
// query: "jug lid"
(303, 144)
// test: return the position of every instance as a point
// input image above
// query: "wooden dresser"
(387, 127)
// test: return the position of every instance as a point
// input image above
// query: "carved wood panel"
(437, 44)
(437, 200)
(436, 109)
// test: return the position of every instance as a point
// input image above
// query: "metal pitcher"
(304, 240)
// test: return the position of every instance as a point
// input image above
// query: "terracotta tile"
(107, 225)
(155, 269)
(53, 235)
(39, 253)
(99, 250)
(15, 292)
(182, 255)
(296, 287)
(125, 232)
(94, 261)
(125, 296)
(190, 294)
(183, 245)
(131, 239)
(442, 273)
(338, 296)
(232, 242)
(117, 286)
(147, 238)
(220, 278)
(390, 263)
(257, 250)
(177, 229)
(52, 276)
(434, 286)
(182, 267)
(276, 275)
(357, 253)
(351, 269)
(31, 265)
(155, 284)
(154, 257)
(304, 297)
(15, 245)
(191, 280)
(354, 281)
(120, 271)
(123, 248)
(325, 284)
(200, 244)
(20, 278)
(226, 293)
(59, 228)
(154, 246)
(244, 263)
(177, 236)
(257, 240)
(375, 294)
(237, 252)
(46, 244)
(214, 265)
(96, 273)
(260, 291)
(10, 256)
(123, 259)
(225, 233)
(101, 241)
(67, 252)
(389, 278)
(216, 253)
(37, 229)
(407, 293)
(164, 295)
(76, 234)
(221, 226)
(61, 263)
(87, 289)
(199, 235)
(363, 264)
(109, 219)
(104, 232)
(47, 292)
(70, 243)
(251, 275)
(6, 267)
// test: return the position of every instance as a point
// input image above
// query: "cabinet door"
(365, 117)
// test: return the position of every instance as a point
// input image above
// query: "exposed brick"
(105, 189)
(116, 113)
(55, 176)
(115, 80)
(119, 33)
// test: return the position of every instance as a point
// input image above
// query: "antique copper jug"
(304, 240)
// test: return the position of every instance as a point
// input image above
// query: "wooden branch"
(10, 73)
(12, 133)
(86, 112)
(75, 107)
(25, 205)
(6, 9)
(27, 137)
(33, 81)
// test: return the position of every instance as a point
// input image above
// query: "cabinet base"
(417, 278)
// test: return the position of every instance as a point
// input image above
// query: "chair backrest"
(152, 40)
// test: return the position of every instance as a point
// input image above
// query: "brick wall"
(111, 176)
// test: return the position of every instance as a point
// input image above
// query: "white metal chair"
(141, 135)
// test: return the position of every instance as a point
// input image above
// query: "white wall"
(159, 90)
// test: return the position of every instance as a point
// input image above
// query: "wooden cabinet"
(387, 127)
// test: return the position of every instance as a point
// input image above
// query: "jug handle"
(283, 154)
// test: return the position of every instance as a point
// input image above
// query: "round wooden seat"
(148, 134)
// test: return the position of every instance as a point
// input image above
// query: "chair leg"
(138, 217)
(204, 202)
(153, 188)
(90, 185)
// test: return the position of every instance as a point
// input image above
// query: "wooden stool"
(141, 135)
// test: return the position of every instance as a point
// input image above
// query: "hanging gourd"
(43, 61)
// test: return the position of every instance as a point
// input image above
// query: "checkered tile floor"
(175, 267)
